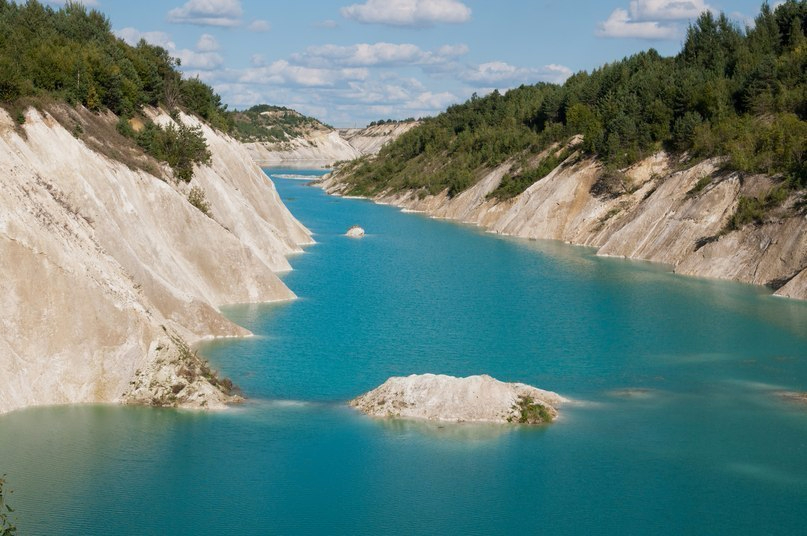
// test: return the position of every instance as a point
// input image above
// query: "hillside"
(127, 218)
(724, 118)
(312, 144)
(265, 123)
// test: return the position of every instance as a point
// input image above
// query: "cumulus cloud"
(207, 43)
(651, 19)
(282, 72)
(431, 102)
(376, 55)
(656, 10)
(499, 73)
(408, 12)
(203, 58)
(259, 26)
(133, 36)
(226, 13)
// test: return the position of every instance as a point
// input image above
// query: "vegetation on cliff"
(71, 55)
(739, 93)
(265, 123)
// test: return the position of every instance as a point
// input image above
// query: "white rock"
(447, 398)
(355, 232)
(107, 271)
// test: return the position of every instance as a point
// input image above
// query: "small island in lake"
(355, 232)
(472, 399)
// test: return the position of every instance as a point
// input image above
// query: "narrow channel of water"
(680, 429)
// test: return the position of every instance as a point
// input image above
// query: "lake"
(678, 425)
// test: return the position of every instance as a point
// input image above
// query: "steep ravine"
(324, 147)
(662, 218)
(108, 274)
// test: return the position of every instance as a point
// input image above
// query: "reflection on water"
(451, 431)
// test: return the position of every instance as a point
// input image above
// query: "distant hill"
(266, 123)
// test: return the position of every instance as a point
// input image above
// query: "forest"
(70, 55)
(735, 92)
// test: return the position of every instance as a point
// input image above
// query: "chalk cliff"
(323, 147)
(665, 214)
(108, 273)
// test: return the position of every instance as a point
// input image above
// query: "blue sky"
(348, 62)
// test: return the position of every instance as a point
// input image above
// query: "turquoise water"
(679, 429)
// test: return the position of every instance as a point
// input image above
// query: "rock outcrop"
(355, 232)
(663, 214)
(107, 272)
(323, 147)
(471, 399)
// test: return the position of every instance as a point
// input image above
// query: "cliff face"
(322, 148)
(664, 216)
(106, 272)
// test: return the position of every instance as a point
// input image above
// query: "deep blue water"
(679, 429)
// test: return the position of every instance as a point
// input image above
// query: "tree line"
(731, 91)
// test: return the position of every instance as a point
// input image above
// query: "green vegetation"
(70, 55)
(754, 209)
(198, 199)
(531, 412)
(702, 183)
(381, 122)
(514, 184)
(7, 528)
(179, 146)
(271, 124)
(739, 93)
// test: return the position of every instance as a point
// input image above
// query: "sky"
(349, 62)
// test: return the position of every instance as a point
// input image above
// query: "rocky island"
(471, 399)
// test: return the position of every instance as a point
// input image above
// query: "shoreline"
(409, 204)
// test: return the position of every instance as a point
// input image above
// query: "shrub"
(179, 146)
(198, 199)
(754, 209)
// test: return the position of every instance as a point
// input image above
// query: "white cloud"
(132, 36)
(283, 73)
(376, 55)
(651, 19)
(88, 3)
(658, 10)
(620, 25)
(503, 74)
(203, 58)
(259, 26)
(225, 13)
(207, 43)
(390, 90)
(408, 12)
(428, 102)
(199, 60)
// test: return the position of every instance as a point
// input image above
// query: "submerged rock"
(472, 399)
(794, 396)
(355, 232)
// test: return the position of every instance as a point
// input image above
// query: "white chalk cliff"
(664, 216)
(471, 399)
(108, 273)
(323, 147)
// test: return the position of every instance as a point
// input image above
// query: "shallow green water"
(679, 429)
